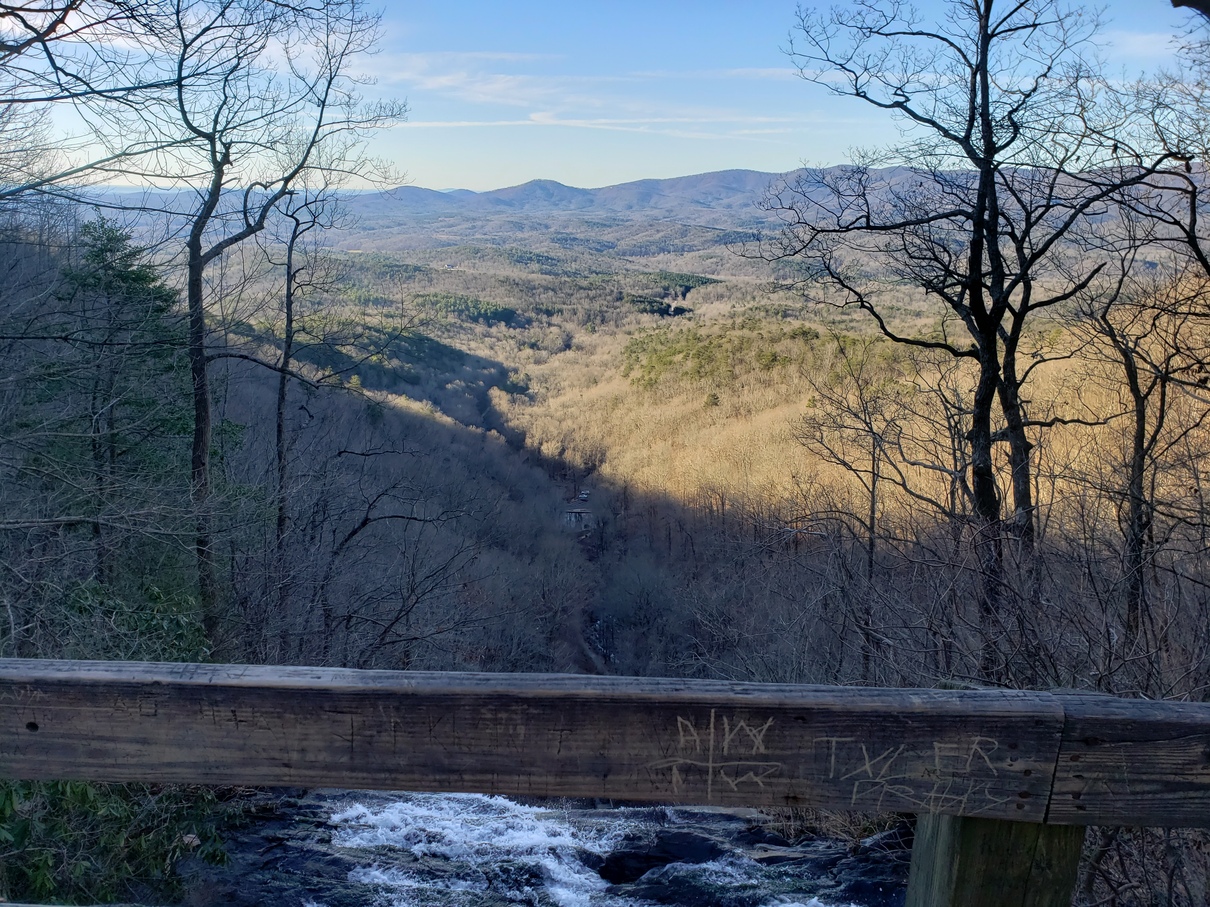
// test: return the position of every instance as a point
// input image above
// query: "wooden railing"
(1003, 781)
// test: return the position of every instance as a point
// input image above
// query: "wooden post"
(965, 862)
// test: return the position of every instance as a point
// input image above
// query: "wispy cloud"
(489, 78)
(547, 118)
(452, 76)
(1143, 45)
(484, 55)
(419, 61)
(777, 74)
(713, 127)
(461, 91)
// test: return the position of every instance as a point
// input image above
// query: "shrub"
(85, 843)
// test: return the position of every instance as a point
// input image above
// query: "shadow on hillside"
(421, 368)
(556, 566)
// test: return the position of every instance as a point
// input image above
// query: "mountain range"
(706, 213)
(735, 191)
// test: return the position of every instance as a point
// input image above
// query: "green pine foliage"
(649, 305)
(712, 357)
(467, 308)
(99, 464)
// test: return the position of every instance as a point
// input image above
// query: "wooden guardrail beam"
(1132, 762)
(1022, 756)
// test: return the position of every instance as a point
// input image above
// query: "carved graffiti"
(895, 777)
(729, 754)
(724, 750)
(23, 695)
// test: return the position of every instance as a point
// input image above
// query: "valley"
(929, 412)
(545, 430)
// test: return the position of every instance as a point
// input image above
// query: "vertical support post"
(964, 862)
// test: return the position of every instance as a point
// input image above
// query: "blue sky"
(593, 94)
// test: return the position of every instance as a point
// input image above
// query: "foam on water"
(467, 826)
(475, 849)
(484, 834)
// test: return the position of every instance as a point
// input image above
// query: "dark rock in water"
(871, 894)
(639, 854)
(875, 874)
(683, 887)
(895, 839)
(816, 858)
(281, 855)
(821, 869)
(754, 835)
(590, 860)
(491, 852)
(513, 878)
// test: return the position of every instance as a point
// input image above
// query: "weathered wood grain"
(965, 862)
(1132, 762)
(1030, 757)
(975, 753)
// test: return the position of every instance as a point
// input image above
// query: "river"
(358, 849)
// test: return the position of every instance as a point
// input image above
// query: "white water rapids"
(468, 849)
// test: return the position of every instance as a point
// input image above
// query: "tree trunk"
(283, 386)
(868, 641)
(207, 581)
(988, 543)
(1019, 451)
(1138, 516)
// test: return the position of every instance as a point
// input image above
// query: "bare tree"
(1009, 152)
(302, 216)
(1149, 326)
(58, 54)
(260, 94)
(854, 422)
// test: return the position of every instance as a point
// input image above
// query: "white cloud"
(549, 118)
(1143, 45)
(777, 74)
(710, 127)
(506, 80)
(461, 91)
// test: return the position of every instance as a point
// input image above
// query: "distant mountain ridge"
(722, 190)
(707, 213)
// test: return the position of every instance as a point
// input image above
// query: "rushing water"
(425, 850)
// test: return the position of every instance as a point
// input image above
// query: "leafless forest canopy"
(935, 417)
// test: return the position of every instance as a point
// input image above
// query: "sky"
(598, 93)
